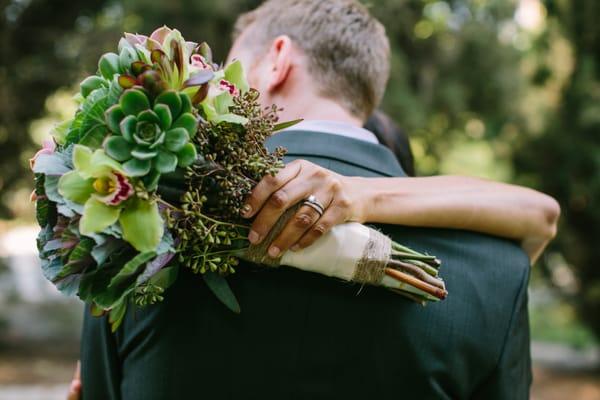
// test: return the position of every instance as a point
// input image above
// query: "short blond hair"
(347, 48)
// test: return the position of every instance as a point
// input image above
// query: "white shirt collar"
(336, 128)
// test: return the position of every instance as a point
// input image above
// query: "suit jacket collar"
(370, 156)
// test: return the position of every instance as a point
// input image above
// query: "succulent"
(151, 137)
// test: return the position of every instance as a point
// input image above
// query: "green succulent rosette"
(151, 137)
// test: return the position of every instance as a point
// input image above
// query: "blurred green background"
(503, 89)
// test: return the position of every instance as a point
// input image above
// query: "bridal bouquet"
(151, 173)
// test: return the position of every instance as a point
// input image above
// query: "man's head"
(298, 50)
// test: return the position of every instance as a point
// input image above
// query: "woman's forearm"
(461, 203)
(438, 202)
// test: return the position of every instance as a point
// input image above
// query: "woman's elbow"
(551, 215)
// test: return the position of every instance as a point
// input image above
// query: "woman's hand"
(296, 182)
(75, 388)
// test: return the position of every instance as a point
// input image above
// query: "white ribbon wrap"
(334, 254)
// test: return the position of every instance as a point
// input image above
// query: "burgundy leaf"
(126, 81)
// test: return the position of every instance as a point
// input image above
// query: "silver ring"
(315, 204)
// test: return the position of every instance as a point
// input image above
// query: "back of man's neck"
(320, 109)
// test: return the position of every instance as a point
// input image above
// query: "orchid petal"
(234, 73)
(142, 225)
(160, 34)
(97, 216)
(75, 188)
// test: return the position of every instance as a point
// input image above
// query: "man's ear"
(280, 55)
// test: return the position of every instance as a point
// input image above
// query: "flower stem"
(416, 272)
(411, 280)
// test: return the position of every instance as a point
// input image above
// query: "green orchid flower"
(102, 186)
(225, 85)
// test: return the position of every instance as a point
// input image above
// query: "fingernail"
(246, 210)
(295, 247)
(274, 251)
(253, 237)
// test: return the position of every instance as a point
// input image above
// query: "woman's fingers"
(334, 215)
(303, 220)
(293, 184)
(267, 186)
(295, 191)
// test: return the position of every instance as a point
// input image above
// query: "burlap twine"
(370, 268)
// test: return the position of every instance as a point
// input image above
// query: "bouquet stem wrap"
(356, 253)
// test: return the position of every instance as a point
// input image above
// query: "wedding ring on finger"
(312, 202)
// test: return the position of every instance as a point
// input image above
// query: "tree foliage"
(565, 160)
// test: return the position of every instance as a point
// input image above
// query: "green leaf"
(108, 65)
(74, 187)
(118, 148)
(142, 225)
(42, 211)
(186, 103)
(143, 153)
(188, 122)
(234, 73)
(126, 57)
(94, 120)
(101, 252)
(176, 139)
(171, 99)
(60, 131)
(149, 116)
(187, 155)
(151, 180)
(69, 286)
(97, 216)
(93, 138)
(113, 116)
(94, 283)
(51, 268)
(164, 115)
(50, 164)
(90, 84)
(219, 286)
(287, 124)
(134, 101)
(165, 277)
(135, 167)
(114, 92)
(131, 269)
(160, 140)
(82, 250)
(127, 127)
(116, 315)
(51, 188)
(231, 118)
(165, 162)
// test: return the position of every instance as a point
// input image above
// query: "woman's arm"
(462, 202)
(444, 202)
